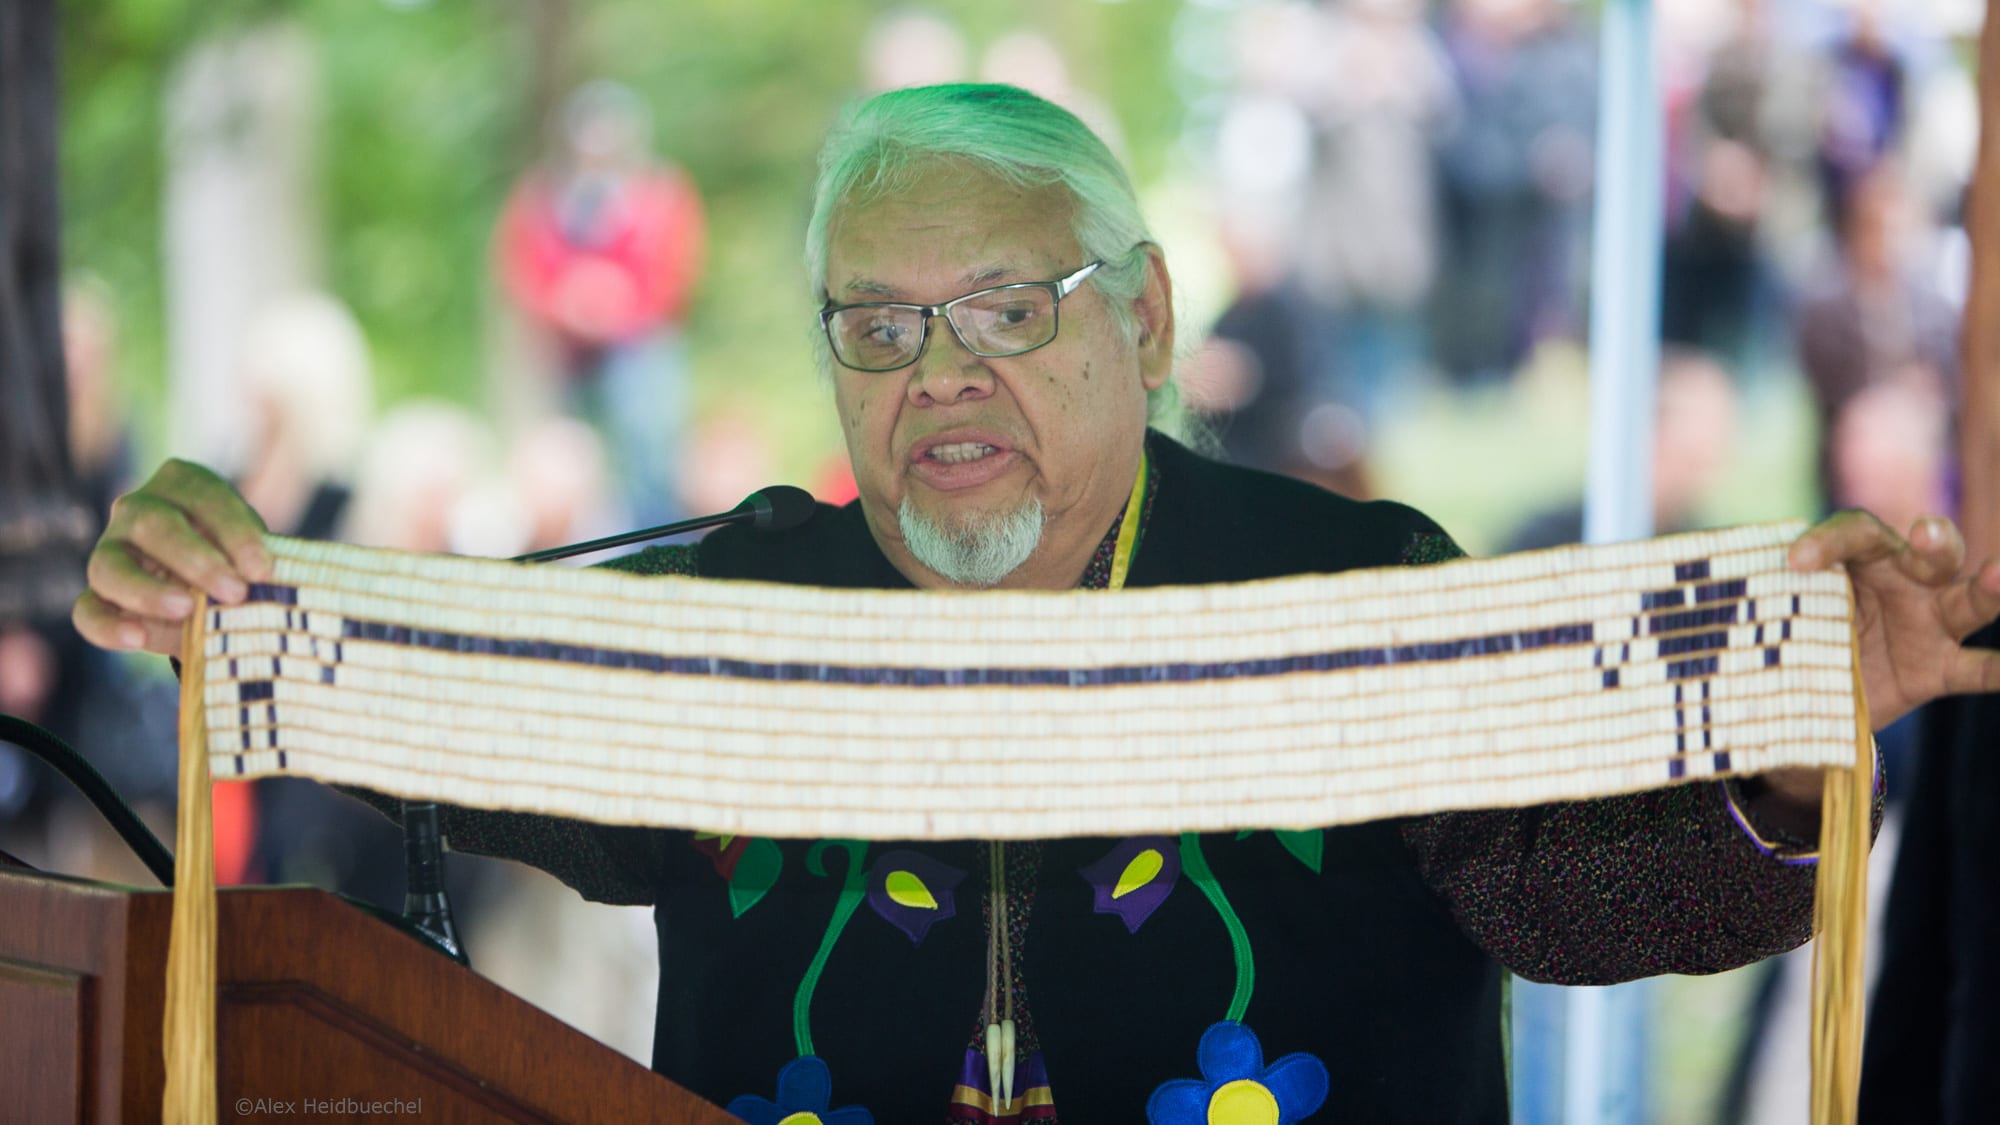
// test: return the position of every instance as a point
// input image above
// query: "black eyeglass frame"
(1057, 289)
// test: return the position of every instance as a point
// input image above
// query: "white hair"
(978, 554)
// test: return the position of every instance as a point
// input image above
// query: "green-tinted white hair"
(881, 143)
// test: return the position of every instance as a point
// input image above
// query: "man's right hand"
(183, 530)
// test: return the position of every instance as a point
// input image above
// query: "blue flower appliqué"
(805, 1090)
(1236, 1088)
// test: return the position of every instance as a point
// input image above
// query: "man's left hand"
(1912, 608)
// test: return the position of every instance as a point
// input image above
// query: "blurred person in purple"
(1863, 111)
(602, 248)
(1515, 178)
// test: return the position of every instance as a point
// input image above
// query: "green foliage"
(430, 110)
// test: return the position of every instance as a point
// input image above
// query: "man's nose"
(947, 371)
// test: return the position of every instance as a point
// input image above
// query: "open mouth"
(965, 459)
(959, 453)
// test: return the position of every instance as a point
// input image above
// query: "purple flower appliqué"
(1236, 1088)
(1134, 878)
(913, 892)
(805, 1090)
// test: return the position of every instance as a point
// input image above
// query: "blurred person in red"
(601, 247)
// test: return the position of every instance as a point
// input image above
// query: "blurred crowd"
(1401, 198)
(1407, 203)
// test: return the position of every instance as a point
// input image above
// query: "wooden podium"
(317, 1002)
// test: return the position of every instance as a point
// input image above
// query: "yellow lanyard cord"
(1128, 529)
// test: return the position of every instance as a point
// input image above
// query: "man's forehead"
(945, 229)
(883, 283)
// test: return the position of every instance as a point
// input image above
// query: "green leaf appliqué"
(756, 873)
(1305, 846)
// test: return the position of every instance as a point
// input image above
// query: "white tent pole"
(1604, 1071)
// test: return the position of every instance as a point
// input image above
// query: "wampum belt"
(762, 709)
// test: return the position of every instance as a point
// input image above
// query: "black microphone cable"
(425, 905)
(66, 761)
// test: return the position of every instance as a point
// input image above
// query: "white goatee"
(986, 549)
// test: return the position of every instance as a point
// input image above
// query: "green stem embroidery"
(852, 890)
(1196, 869)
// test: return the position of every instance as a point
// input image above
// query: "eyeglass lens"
(999, 322)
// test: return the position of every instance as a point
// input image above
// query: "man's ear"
(1154, 308)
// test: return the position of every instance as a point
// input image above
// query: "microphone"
(775, 507)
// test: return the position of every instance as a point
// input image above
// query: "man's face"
(968, 441)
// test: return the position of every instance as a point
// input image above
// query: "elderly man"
(998, 323)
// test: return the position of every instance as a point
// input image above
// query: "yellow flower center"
(1242, 1102)
(906, 889)
(804, 1118)
(1138, 873)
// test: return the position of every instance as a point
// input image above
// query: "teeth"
(960, 452)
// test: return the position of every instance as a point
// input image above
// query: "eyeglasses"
(1002, 321)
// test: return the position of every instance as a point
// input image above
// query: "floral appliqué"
(913, 892)
(805, 1091)
(1236, 1088)
(1134, 878)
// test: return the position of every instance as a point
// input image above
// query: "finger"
(163, 533)
(106, 626)
(1853, 537)
(1969, 606)
(1936, 553)
(217, 511)
(128, 586)
(1973, 670)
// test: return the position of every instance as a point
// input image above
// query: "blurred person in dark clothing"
(1377, 91)
(1934, 1024)
(1515, 174)
(119, 719)
(1874, 318)
(1716, 287)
